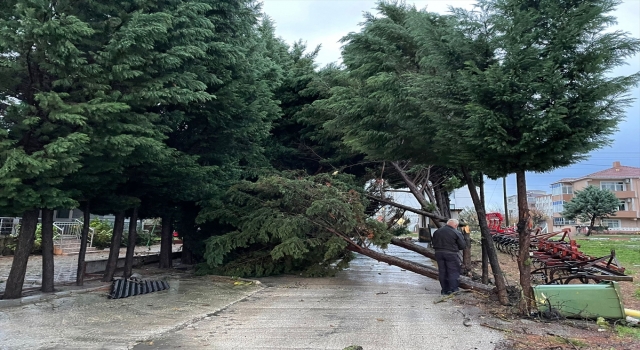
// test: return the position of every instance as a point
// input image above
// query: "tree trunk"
(407, 208)
(187, 255)
(47, 251)
(114, 251)
(442, 199)
(131, 244)
(524, 241)
(591, 225)
(166, 243)
(485, 261)
(13, 286)
(426, 251)
(84, 237)
(424, 270)
(417, 193)
(466, 254)
(485, 256)
(486, 235)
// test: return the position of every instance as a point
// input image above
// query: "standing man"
(447, 241)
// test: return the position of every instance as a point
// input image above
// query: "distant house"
(624, 181)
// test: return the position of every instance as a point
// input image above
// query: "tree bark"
(424, 270)
(166, 243)
(466, 254)
(84, 237)
(498, 276)
(187, 255)
(47, 251)
(426, 251)
(485, 261)
(591, 225)
(485, 256)
(114, 251)
(431, 215)
(26, 237)
(131, 243)
(418, 194)
(524, 241)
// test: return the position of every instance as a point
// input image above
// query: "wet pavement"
(372, 304)
(91, 321)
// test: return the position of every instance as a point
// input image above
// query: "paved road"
(372, 305)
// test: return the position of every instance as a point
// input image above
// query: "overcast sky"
(324, 22)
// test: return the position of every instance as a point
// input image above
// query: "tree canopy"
(197, 112)
(591, 204)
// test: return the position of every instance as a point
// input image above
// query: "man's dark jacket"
(447, 239)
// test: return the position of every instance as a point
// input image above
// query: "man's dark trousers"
(448, 271)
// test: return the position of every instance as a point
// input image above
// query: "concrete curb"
(42, 297)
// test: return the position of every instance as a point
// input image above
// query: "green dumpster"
(581, 300)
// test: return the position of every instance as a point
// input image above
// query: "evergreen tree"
(590, 204)
(42, 75)
(546, 101)
(300, 225)
(403, 98)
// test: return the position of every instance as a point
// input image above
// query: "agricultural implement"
(557, 261)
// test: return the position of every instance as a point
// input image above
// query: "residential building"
(532, 195)
(624, 181)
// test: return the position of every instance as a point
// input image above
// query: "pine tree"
(301, 225)
(41, 136)
(546, 101)
(590, 204)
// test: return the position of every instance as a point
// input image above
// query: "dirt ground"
(541, 334)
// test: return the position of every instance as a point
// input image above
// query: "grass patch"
(569, 341)
(628, 332)
(627, 252)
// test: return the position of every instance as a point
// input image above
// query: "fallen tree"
(418, 268)
(303, 225)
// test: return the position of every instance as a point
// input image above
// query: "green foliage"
(590, 204)
(12, 243)
(289, 224)
(102, 233)
(628, 332)
(546, 100)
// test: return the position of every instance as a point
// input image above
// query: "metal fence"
(9, 226)
(72, 229)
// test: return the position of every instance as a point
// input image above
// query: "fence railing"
(64, 230)
(9, 226)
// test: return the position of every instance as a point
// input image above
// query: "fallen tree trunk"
(418, 268)
(428, 252)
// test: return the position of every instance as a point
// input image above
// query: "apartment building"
(624, 181)
(532, 200)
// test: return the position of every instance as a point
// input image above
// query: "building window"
(562, 222)
(62, 213)
(611, 223)
(556, 189)
(612, 186)
(567, 189)
(558, 206)
(623, 206)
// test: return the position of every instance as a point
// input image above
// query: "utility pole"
(506, 208)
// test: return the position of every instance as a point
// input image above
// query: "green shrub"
(102, 233)
(37, 243)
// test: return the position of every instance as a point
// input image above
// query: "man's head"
(453, 223)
